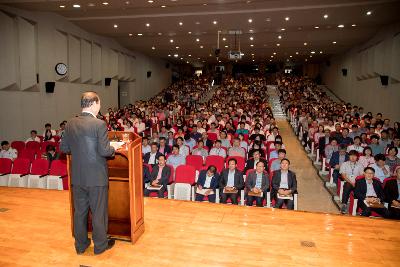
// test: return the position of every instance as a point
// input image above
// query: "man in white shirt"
(349, 170)
(7, 151)
(217, 150)
(33, 137)
(356, 146)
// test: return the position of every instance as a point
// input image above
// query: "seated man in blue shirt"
(176, 159)
(375, 146)
(382, 171)
(338, 158)
(257, 182)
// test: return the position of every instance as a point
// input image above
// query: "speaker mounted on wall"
(384, 80)
(50, 87)
(148, 74)
(344, 72)
(107, 81)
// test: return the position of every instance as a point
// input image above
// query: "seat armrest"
(25, 174)
(3, 174)
(44, 175)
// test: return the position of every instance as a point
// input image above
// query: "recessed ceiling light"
(279, 36)
(297, 53)
(160, 33)
(189, 55)
(334, 42)
(316, 27)
(272, 56)
(115, 26)
(176, 55)
(76, 6)
(251, 45)
(215, 22)
(253, 60)
(252, 54)
(91, 4)
(250, 20)
(140, 34)
(320, 52)
(369, 13)
(130, 34)
(283, 29)
(163, 6)
(147, 24)
(169, 55)
(340, 26)
(278, 44)
(305, 43)
(312, 52)
(197, 40)
(204, 4)
(181, 58)
(180, 23)
(251, 38)
(287, 18)
(150, 1)
(268, 19)
(270, 60)
(290, 56)
(251, 30)
(153, 48)
(353, 25)
(105, 3)
(224, 39)
(62, 6)
(326, 16)
(310, 55)
(171, 40)
(201, 46)
(177, 47)
(187, 62)
(197, 22)
(306, 60)
(226, 46)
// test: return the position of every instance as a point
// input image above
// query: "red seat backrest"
(212, 136)
(46, 143)
(240, 162)
(27, 154)
(171, 178)
(195, 160)
(5, 165)
(185, 174)
(58, 168)
(215, 160)
(18, 145)
(148, 166)
(21, 166)
(40, 167)
(33, 145)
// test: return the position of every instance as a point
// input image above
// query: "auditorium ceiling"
(266, 30)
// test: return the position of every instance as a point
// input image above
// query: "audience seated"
(392, 195)
(382, 171)
(7, 151)
(284, 185)
(231, 182)
(160, 176)
(257, 182)
(207, 184)
(218, 150)
(33, 137)
(175, 159)
(251, 163)
(338, 158)
(152, 156)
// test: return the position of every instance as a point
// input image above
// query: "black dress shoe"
(111, 243)
(80, 252)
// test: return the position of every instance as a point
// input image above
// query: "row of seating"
(36, 174)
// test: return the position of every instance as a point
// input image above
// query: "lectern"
(125, 195)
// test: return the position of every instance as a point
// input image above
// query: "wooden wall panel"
(74, 58)
(8, 52)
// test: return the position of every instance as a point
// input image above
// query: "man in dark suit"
(152, 156)
(231, 179)
(284, 182)
(337, 159)
(323, 141)
(163, 148)
(392, 196)
(252, 162)
(86, 138)
(159, 176)
(208, 179)
(370, 190)
(257, 181)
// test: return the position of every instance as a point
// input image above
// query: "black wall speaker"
(50, 87)
(107, 81)
(167, 66)
(384, 80)
(148, 74)
(344, 72)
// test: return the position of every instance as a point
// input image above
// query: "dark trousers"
(200, 197)
(160, 193)
(347, 189)
(233, 197)
(366, 211)
(335, 175)
(95, 198)
(250, 200)
(289, 203)
(393, 213)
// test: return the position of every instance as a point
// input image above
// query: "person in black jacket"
(160, 175)
(208, 179)
(231, 179)
(370, 190)
(284, 182)
(152, 156)
(252, 162)
(392, 196)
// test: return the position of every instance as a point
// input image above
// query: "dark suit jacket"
(165, 174)
(146, 157)
(167, 149)
(360, 189)
(335, 159)
(238, 183)
(202, 179)
(251, 181)
(86, 138)
(322, 144)
(208, 143)
(391, 191)
(250, 164)
(276, 181)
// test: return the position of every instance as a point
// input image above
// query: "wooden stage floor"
(35, 231)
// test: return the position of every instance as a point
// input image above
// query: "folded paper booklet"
(226, 191)
(374, 205)
(284, 196)
(251, 193)
(203, 191)
(116, 145)
(154, 187)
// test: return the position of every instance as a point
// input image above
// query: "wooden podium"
(125, 195)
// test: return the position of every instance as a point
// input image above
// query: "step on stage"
(35, 231)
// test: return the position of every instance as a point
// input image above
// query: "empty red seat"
(185, 174)
(27, 153)
(195, 160)
(20, 170)
(5, 166)
(58, 175)
(18, 145)
(40, 167)
(33, 145)
(44, 145)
